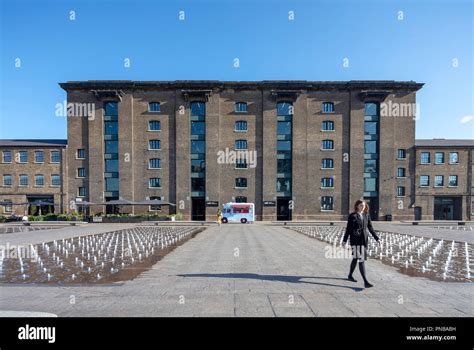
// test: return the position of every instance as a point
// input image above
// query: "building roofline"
(440, 142)
(33, 143)
(267, 84)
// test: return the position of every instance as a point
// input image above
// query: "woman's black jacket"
(356, 229)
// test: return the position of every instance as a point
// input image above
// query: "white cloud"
(466, 119)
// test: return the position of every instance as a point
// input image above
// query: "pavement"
(249, 270)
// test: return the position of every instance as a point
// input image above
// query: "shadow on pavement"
(275, 278)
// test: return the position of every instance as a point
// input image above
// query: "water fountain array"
(105, 257)
(442, 260)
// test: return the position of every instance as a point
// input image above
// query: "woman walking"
(358, 228)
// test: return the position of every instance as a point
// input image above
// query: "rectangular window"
(424, 180)
(328, 107)
(370, 166)
(327, 182)
(198, 109)
(241, 164)
(453, 180)
(111, 184)
(7, 157)
(81, 153)
(55, 157)
(55, 180)
(370, 184)
(155, 207)
(154, 107)
(401, 154)
(283, 128)
(284, 146)
(425, 158)
(371, 109)
(8, 207)
(198, 184)
(327, 203)
(39, 157)
(154, 125)
(453, 158)
(110, 128)
(283, 166)
(111, 108)
(111, 146)
(198, 146)
(23, 156)
(81, 172)
(240, 199)
(154, 163)
(327, 125)
(400, 191)
(241, 182)
(39, 180)
(439, 181)
(23, 180)
(198, 128)
(241, 144)
(154, 145)
(327, 144)
(327, 163)
(401, 172)
(7, 180)
(370, 147)
(284, 109)
(283, 185)
(81, 192)
(439, 158)
(154, 182)
(111, 165)
(241, 107)
(370, 128)
(240, 125)
(198, 165)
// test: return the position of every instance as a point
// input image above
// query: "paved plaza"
(240, 270)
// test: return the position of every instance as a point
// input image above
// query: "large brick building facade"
(312, 148)
(319, 145)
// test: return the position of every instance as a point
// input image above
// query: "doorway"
(283, 209)
(198, 209)
(447, 208)
(373, 207)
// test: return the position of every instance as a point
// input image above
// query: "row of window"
(23, 157)
(439, 180)
(425, 158)
(39, 180)
(242, 107)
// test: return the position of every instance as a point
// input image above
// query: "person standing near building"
(359, 225)
(219, 216)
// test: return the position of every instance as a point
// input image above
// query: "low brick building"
(444, 184)
(32, 171)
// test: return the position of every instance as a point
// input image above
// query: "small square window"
(241, 107)
(154, 107)
(328, 107)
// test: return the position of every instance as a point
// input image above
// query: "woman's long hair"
(366, 207)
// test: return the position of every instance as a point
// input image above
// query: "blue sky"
(53, 48)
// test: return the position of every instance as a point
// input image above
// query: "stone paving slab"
(249, 271)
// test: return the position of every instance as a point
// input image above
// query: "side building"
(444, 187)
(32, 171)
